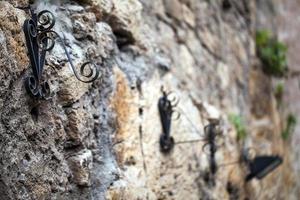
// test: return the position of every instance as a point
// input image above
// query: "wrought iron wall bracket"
(40, 38)
(166, 111)
(211, 133)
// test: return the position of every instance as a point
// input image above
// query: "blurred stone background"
(100, 140)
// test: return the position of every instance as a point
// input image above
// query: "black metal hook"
(166, 111)
(40, 38)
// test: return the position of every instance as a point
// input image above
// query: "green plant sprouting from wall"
(279, 89)
(272, 53)
(278, 92)
(291, 122)
(239, 125)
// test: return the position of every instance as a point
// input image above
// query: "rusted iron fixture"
(40, 38)
(166, 105)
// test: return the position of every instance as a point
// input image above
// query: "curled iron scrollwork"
(40, 38)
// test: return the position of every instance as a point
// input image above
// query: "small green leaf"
(239, 125)
(291, 122)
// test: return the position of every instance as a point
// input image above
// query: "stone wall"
(101, 140)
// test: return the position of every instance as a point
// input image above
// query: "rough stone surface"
(282, 20)
(101, 140)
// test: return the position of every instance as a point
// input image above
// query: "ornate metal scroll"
(40, 38)
(166, 106)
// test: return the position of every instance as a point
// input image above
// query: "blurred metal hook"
(166, 112)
